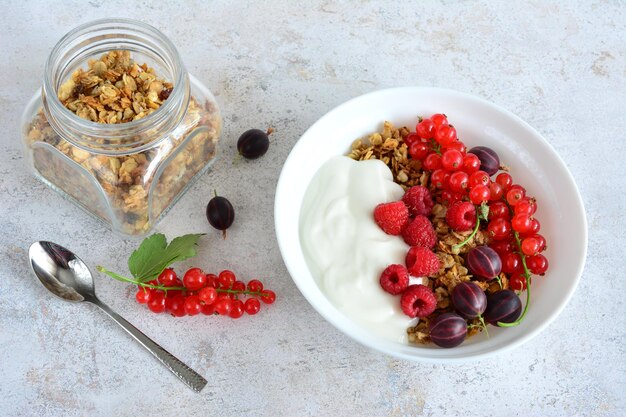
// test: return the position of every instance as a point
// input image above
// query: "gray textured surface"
(561, 67)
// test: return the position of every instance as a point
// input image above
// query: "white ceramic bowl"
(533, 164)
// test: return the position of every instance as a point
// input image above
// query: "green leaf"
(154, 255)
(484, 211)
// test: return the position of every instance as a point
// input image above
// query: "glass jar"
(127, 174)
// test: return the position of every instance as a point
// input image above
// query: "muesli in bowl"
(319, 174)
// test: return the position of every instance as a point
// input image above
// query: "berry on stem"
(236, 309)
(268, 296)
(167, 277)
(252, 306)
(157, 304)
(226, 279)
(223, 305)
(192, 305)
(194, 279)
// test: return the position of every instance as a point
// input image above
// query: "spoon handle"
(190, 377)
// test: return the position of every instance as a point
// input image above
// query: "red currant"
(239, 286)
(425, 129)
(432, 162)
(541, 242)
(502, 247)
(451, 160)
(479, 193)
(439, 119)
(226, 279)
(142, 296)
(511, 262)
(208, 309)
(236, 309)
(457, 145)
(440, 178)
(445, 134)
(499, 229)
(537, 264)
(157, 304)
(505, 180)
(515, 194)
(517, 282)
(255, 285)
(167, 277)
(223, 305)
(193, 305)
(526, 206)
(496, 191)
(411, 139)
(419, 150)
(458, 182)
(521, 223)
(252, 306)
(451, 197)
(176, 305)
(211, 280)
(194, 279)
(479, 178)
(530, 246)
(498, 209)
(268, 296)
(471, 163)
(208, 295)
(534, 227)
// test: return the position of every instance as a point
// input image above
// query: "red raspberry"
(418, 200)
(421, 262)
(418, 301)
(394, 279)
(391, 217)
(461, 216)
(420, 232)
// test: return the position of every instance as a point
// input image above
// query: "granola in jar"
(134, 140)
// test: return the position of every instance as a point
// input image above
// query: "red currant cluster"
(515, 233)
(203, 293)
(458, 175)
(453, 170)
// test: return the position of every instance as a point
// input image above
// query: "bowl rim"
(340, 322)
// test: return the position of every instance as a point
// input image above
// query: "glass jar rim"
(82, 35)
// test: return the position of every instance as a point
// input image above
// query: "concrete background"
(561, 66)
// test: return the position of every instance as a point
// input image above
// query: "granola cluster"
(132, 189)
(114, 89)
(389, 147)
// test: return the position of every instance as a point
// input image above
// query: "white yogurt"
(346, 251)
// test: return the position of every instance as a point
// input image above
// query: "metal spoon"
(66, 276)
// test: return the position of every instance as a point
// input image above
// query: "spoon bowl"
(61, 272)
(65, 275)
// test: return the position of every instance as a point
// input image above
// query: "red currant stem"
(482, 213)
(257, 293)
(526, 275)
(134, 281)
(434, 146)
(165, 288)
